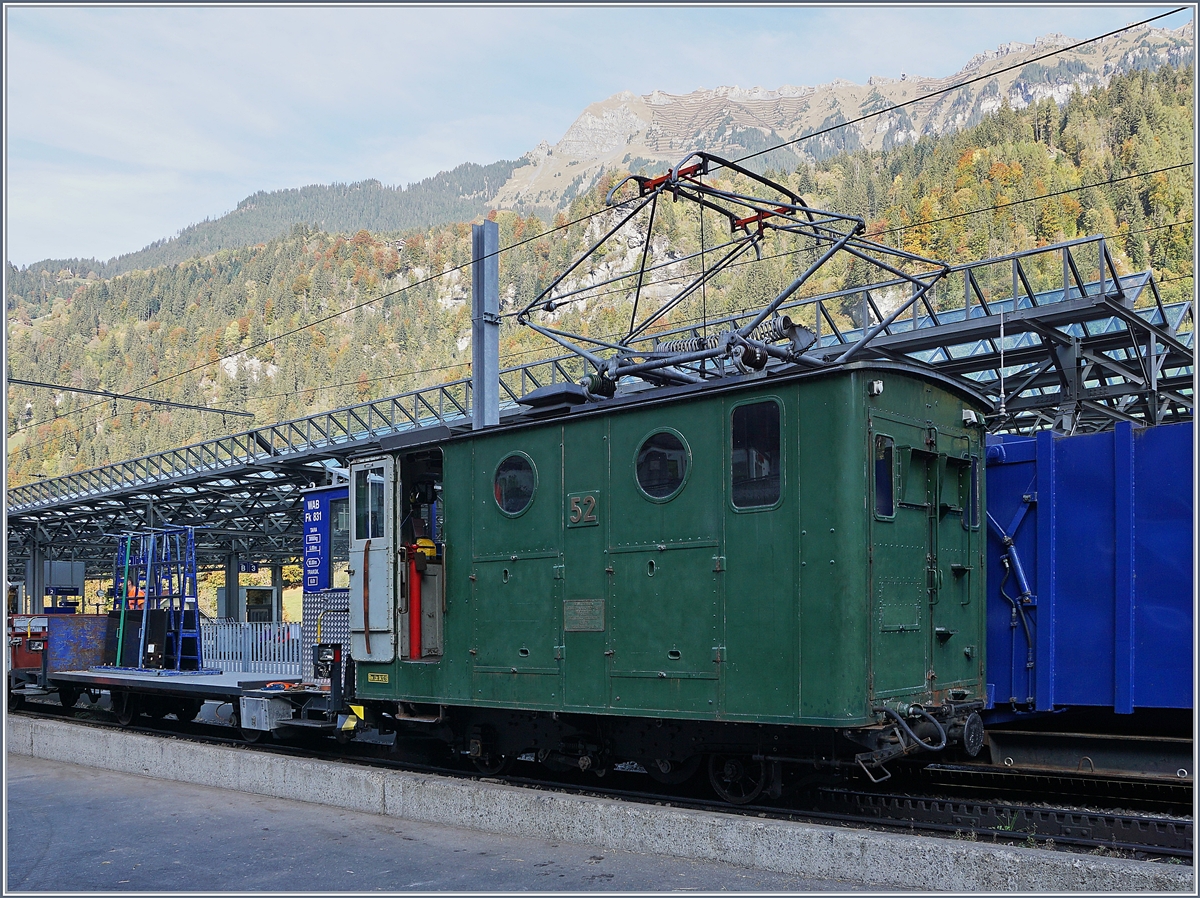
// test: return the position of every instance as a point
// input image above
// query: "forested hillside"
(229, 329)
(455, 195)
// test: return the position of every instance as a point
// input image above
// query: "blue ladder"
(158, 569)
(177, 559)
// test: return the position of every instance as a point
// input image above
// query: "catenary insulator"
(686, 344)
(778, 328)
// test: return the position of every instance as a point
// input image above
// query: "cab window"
(885, 476)
(661, 465)
(755, 458)
(515, 483)
(339, 543)
(368, 503)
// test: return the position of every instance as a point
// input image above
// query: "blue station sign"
(318, 553)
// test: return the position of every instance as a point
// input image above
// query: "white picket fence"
(267, 648)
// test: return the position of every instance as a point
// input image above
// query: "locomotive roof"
(427, 436)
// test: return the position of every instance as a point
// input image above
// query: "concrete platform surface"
(822, 854)
(81, 829)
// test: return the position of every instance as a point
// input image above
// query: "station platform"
(146, 802)
(88, 830)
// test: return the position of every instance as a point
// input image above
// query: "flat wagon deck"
(217, 686)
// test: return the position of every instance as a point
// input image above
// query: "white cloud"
(128, 124)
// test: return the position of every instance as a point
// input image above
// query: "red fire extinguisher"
(414, 602)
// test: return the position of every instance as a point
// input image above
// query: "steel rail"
(970, 818)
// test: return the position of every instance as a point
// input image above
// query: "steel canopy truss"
(258, 517)
(1076, 356)
(1053, 337)
(750, 221)
(304, 441)
(1082, 348)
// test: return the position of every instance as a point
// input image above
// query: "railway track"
(1128, 793)
(967, 804)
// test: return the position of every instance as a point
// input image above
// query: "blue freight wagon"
(1090, 579)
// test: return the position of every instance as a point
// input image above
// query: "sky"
(124, 125)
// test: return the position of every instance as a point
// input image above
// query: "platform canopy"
(1053, 338)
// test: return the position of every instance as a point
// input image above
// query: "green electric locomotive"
(770, 569)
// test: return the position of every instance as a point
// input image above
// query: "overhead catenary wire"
(522, 353)
(683, 322)
(961, 84)
(127, 398)
(590, 215)
(1033, 199)
(614, 335)
(326, 318)
(531, 351)
(583, 294)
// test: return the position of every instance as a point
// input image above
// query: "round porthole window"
(662, 465)
(515, 483)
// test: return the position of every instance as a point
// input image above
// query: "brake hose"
(915, 738)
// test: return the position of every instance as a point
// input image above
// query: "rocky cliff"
(648, 133)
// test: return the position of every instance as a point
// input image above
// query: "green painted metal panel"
(516, 627)
(458, 624)
(901, 554)
(666, 634)
(694, 515)
(927, 574)
(587, 588)
(762, 625)
(811, 609)
(496, 535)
(834, 642)
(665, 630)
(956, 646)
(516, 600)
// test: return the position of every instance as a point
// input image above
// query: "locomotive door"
(664, 547)
(904, 468)
(516, 529)
(586, 589)
(373, 560)
(760, 538)
(954, 648)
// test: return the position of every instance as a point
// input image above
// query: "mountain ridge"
(312, 321)
(455, 195)
(648, 133)
(653, 131)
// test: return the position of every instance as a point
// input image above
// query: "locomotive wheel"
(15, 701)
(673, 773)
(737, 778)
(67, 696)
(125, 707)
(494, 765)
